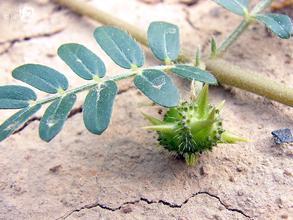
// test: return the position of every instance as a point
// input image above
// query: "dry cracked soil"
(123, 174)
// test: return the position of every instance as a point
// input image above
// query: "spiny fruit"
(192, 128)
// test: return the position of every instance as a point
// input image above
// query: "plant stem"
(233, 37)
(243, 26)
(70, 91)
(249, 81)
(94, 83)
(253, 82)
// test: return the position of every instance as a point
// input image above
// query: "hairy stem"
(94, 83)
(253, 82)
(233, 37)
(243, 26)
(223, 71)
(70, 91)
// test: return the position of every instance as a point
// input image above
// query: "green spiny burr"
(192, 128)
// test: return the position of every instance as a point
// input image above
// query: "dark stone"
(55, 169)
(283, 136)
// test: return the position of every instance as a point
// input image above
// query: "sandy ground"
(123, 174)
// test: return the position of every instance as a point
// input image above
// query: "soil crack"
(188, 19)
(148, 201)
(12, 42)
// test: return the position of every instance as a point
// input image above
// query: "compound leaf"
(16, 97)
(120, 46)
(41, 77)
(55, 116)
(279, 24)
(16, 120)
(194, 73)
(157, 86)
(238, 7)
(163, 39)
(98, 107)
(82, 61)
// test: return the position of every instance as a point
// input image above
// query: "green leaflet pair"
(97, 109)
(280, 25)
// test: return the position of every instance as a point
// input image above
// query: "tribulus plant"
(154, 81)
(188, 128)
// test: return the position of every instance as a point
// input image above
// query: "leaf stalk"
(94, 83)
(248, 20)
(233, 36)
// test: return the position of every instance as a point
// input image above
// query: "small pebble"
(188, 2)
(279, 203)
(151, 1)
(203, 171)
(221, 208)
(126, 209)
(217, 217)
(283, 136)
(287, 173)
(240, 169)
(182, 218)
(240, 193)
(231, 179)
(260, 127)
(55, 168)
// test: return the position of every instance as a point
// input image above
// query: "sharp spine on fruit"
(192, 128)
